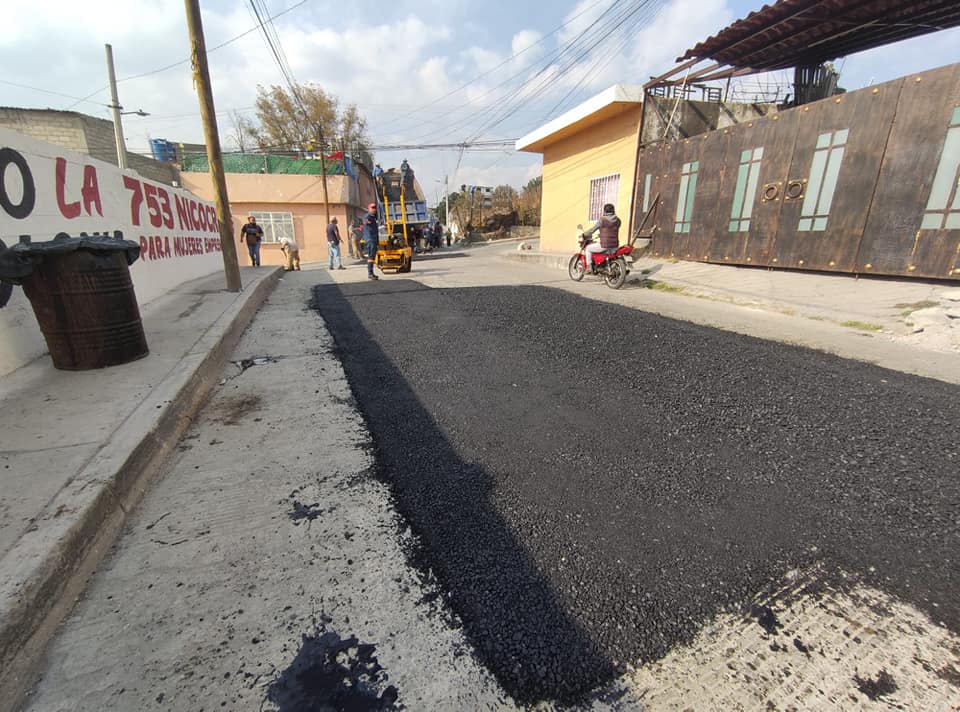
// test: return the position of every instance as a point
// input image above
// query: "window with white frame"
(603, 190)
(943, 206)
(275, 225)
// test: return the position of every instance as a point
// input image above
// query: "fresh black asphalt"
(592, 483)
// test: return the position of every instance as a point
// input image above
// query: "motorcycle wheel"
(575, 268)
(616, 273)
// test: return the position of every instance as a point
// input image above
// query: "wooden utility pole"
(201, 80)
(323, 173)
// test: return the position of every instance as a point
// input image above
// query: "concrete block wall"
(85, 134)
(687, 118)
(101, 142)
(57, 127)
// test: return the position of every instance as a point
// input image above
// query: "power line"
(187, 60)
(615, 23)
(47, 91)
(607, 56)
(557, 55)
(506, 61)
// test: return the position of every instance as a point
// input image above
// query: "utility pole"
(201, 80)
(446, 193)
(323, 173)
(115, 105)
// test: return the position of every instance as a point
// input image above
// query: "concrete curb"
(540, 258)
(46, 570)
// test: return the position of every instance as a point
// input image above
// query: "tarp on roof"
(264, 163)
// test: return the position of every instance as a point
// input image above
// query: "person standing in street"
(333, 244)
(371, 238)
(252, 234)
(356, 238)
(350, 251)
(289, 248)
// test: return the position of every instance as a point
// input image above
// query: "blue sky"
(421, 71)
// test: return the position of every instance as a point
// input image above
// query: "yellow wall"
(300, 195)
(569, 165)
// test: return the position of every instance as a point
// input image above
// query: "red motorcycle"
(612, 265)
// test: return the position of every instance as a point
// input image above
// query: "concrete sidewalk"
(905, 316)
(80, 449)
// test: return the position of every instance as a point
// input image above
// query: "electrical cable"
(549, 61)
(560, 61)
(610, 54)
(506, 61)
(54, 93)
(185, 61)
(618, 21)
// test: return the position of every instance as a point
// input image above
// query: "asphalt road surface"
(592, 483)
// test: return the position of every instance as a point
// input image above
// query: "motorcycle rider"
(609, 227)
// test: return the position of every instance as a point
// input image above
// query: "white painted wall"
(75, 193)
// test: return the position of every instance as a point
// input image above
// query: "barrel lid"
(17, 261)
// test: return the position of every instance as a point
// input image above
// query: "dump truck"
(401, 208)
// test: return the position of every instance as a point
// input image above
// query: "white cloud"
(525, 44)
(483, 59)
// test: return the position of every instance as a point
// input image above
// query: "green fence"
(263, 163)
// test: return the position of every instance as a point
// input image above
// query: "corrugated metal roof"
(793, 33)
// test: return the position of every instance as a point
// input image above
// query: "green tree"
(292, 119)
(456, 207)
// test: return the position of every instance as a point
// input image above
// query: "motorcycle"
(612, 265)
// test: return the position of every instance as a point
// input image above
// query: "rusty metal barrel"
(83, 297)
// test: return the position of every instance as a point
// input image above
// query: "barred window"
(275, 225)
(603, 190)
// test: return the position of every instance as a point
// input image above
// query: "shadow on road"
(510, 612)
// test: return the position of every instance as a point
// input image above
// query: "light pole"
(115, 105)
(117, 112)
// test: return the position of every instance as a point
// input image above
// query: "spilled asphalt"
(592, 483)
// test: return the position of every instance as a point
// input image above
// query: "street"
(430, 494)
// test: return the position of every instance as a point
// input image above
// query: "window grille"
(603, 190)
(275, 225)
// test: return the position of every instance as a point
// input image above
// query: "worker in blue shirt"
(371, 238)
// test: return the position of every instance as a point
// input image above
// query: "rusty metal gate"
(864, 182)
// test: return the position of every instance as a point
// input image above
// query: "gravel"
(593, 483)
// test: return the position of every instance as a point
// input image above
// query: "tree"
(243, 131)
(292, 121)
(353, 135)
(503, 199)
(530, 200)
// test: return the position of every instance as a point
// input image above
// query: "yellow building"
(589, 158)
